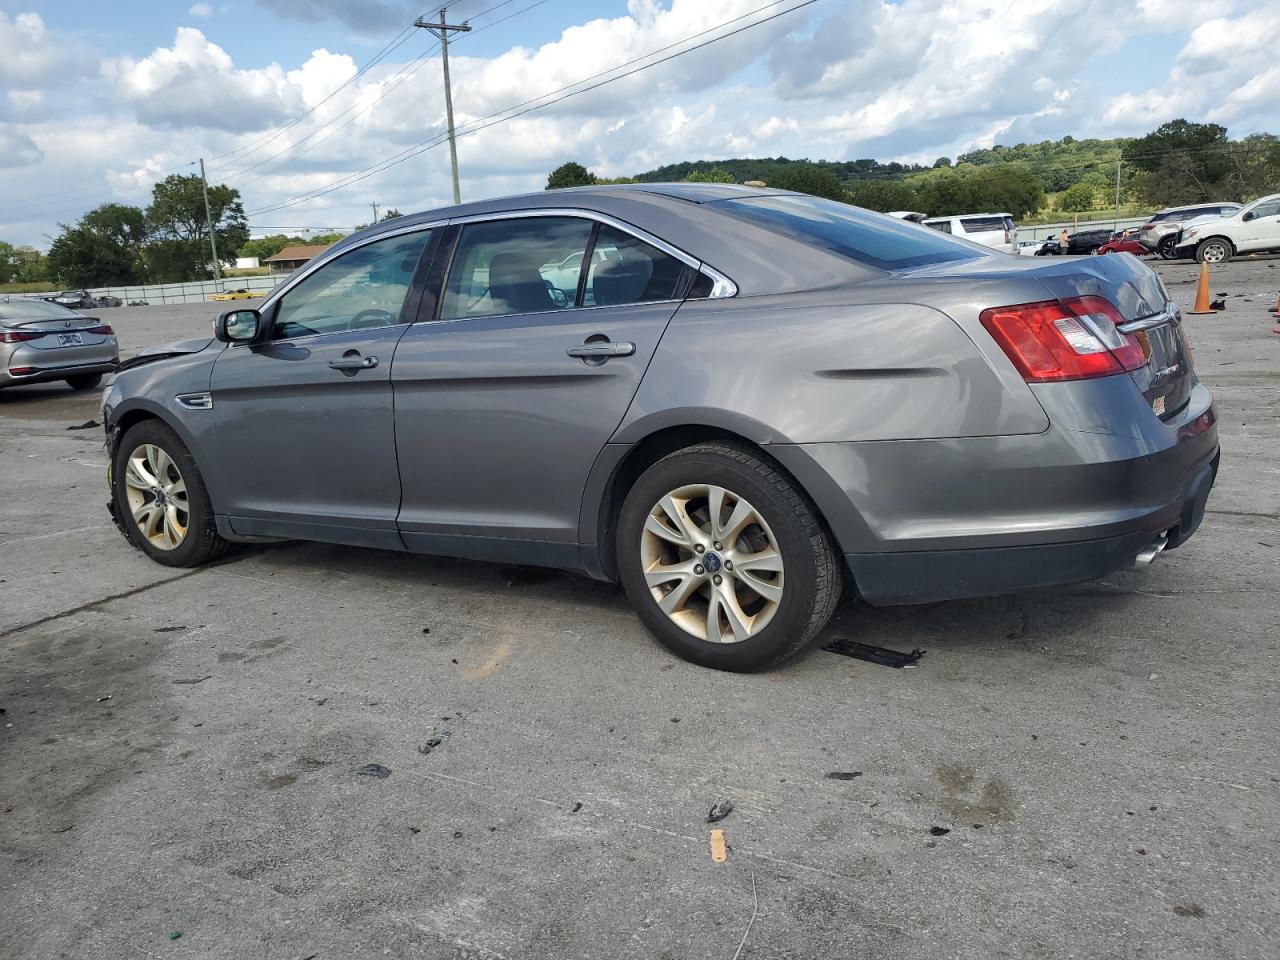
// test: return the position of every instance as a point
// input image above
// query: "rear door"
(507, 393)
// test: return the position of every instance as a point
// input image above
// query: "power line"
(506, 114)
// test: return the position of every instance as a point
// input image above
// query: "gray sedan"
(41, 341)
(740, 403)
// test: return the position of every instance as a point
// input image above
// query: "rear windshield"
(982, 224)
(872, 238)
(33, 310)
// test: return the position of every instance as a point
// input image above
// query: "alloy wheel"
(711, 563)
(1214, 253)
(157, 496)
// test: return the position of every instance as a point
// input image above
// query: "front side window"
(364, 288)
(628, 270)
(1269, 209)
(982, 224)
(522, 265)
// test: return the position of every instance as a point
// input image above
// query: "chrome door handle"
(354, 363)
(602, 350)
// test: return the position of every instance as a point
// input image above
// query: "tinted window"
(943, 226)
(627, 270)
(981, 224)
(34, 310)
(525, 265)
(870, 238)
(1269, 209)
(701, 287)
(361, 289)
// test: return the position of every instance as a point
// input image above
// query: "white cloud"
(201, 10)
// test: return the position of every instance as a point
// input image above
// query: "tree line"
(1178, 162)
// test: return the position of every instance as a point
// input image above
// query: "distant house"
(291, 258)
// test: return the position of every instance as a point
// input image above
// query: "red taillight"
(21, 371)
(18, 336)
(1071, 339)
(1198, 426)
(102, 330)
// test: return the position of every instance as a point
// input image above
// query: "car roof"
(1199, 206)
(962, 216)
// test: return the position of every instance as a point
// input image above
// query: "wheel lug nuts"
(717, 579)
(698, 570)
(728, 564)
(699, 548)
(718, 547)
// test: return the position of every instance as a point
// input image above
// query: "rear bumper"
(58, 372)
(928, 576)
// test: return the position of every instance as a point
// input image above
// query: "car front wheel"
(1168, 248)
(724, 560)
(1214, 250)
(85, 382)
(160, 498)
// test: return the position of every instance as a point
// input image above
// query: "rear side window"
(627, 270)
(982, 224)
(943, 226)
(523, 265)
(870, 238)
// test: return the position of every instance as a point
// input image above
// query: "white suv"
(995, 230)
(1255, 229)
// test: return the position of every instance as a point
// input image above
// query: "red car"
(1127, 244)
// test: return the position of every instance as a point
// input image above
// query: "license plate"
(70, 340)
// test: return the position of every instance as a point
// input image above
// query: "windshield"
(871, 238)
(33, 310)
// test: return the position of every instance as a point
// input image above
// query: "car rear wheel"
(724, 560)
(160, 498)
(1168, 248)
(85, 382)
(1214, 250)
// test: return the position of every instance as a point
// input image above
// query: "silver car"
(756, 399)
(42, 341)
(1160, 234)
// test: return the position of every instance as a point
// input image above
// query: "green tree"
(883, 194)
(176, 216)
(942, 162)
(570, 175)
(1077, 198)
(810, 178)
(268, 246)
(105, 247)
(1181, 162)
(391, 214)
(712, 175)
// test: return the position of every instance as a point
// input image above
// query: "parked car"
(1253, 229)
(240, 294)
(1120, 243)
(107, 300)
(1080, 243)
(995, 230)
(1160, 233)
(73, 299)
(42, 341)
(726, 415)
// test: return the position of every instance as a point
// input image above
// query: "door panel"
(1263, 231)
(304, 437)
(497, 426)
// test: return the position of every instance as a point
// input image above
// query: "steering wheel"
(367, 319)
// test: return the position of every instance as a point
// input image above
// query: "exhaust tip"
(1147, 555)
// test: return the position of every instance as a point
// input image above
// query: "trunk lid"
(55, 328)
(1129, 285)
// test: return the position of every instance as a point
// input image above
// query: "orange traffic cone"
(1276, 311)
(1202, 291)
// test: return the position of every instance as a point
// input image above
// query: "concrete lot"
(1105, 756)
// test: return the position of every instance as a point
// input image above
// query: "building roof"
(299, 253)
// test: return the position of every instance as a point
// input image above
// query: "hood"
(165, 350)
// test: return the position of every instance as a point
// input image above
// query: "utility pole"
(375, 212)
(1115, 225)
(208, 218)
(442, 30)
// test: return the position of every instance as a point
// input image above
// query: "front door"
(505, 398)
(1262, 232)
(304, 434)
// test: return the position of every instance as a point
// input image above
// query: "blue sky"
(98, 100)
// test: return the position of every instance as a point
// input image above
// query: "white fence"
(196, 292)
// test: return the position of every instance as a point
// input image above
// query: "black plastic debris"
(576, 808)
(881, 655)
(374, 770)
(87, 425)
(432, 742)
(175, 629)
(939, 831)
(844, 774)
(193, 679)
(720, 811)
(1218, 305)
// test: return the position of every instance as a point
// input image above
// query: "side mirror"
(237, 326)
(1249, 216)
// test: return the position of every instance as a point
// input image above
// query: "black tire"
(814, 574)
(201, 544)
(1168, 248)
(1213, 243)
(85, 381)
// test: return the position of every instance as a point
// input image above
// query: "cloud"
(201, 10)
(363, 16)
(29, 57)
(17, 149)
